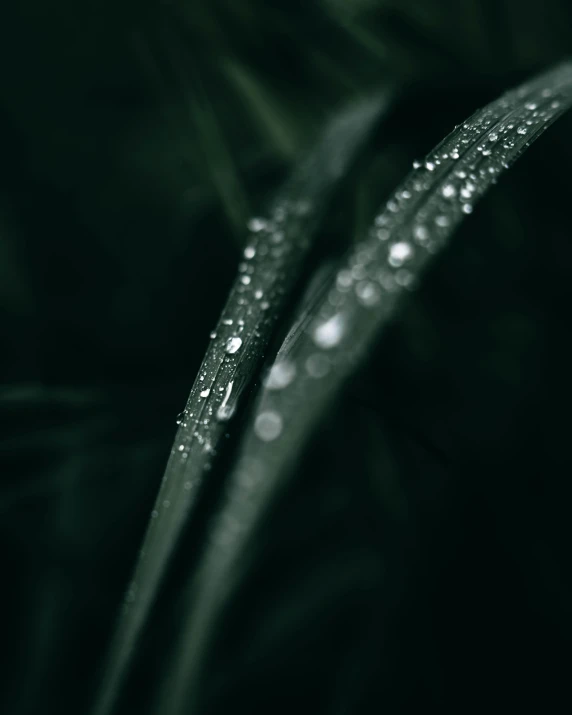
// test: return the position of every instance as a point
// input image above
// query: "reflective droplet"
(421, 233)
(205, 393)
(245, 280)
(522, 129)
(328, 334)
(281, 375)
(226, 409)
(399, 253)
(448, 191)
(317, 365)
(258, 294)
(257, 224)
(249, 252)
(430, 166)
(268, 426)
(233, 345)
(368, 293)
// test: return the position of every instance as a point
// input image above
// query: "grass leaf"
(275, 251)
(360, 299)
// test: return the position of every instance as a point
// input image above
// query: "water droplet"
(181, 417)
(205, 393)
(531, 106)
(329, 333)
(467, 208)
(417, 164)
(399, 253)
(181, 448)
(281, 374)
(344, 279)
(442, 221)
(245, 280)
(257, 224)
(154, 514)
(213, 335)
(421, 233)
(448, 191)
(258, 294)
(249, 252)
(522, 129)
(493, 137)
(430, 166)
(233, 345)
(268, 426)
(317, 365)
(227, 321)
(368, 293)
(226, 409)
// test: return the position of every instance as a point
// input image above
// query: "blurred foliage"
(421, 559)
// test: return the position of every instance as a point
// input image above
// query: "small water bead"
(344, 279)
(226, 409)
(265, 305)
(393, 206)
(317, 366)
(328, 334)
(442, 221)
(421, 233)
(227, 321)
(467, 208)
(213, 335)
(233, 345)
(555, 105)
(405, 194)
(257, 224)
(268, 426)
(455, 154)
(522, 129)
(258, 294)
(181, 448)
(249, 252)
(368, 293)
(277, 237)
(399, 253)
(281, 375)
(154, 514)
(383, 234)
(448, 191)
(404, 278)
(181, 417)
(245, 280)
(493, 137)
(531, 106)
(417, 164)
(430, 165)
(205, 393)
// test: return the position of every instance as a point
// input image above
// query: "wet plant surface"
(276, 434)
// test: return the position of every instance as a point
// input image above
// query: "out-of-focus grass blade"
(415, 224)
(275, 249)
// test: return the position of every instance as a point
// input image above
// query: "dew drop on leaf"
(281, 375)
(329, 333)
(268, 426)
(233, 345)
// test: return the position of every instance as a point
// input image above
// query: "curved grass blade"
(275, 250)
(415, 224)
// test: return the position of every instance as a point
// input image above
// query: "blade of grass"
(275, 250)
(415, 224)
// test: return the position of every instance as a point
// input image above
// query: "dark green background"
(421, 559)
